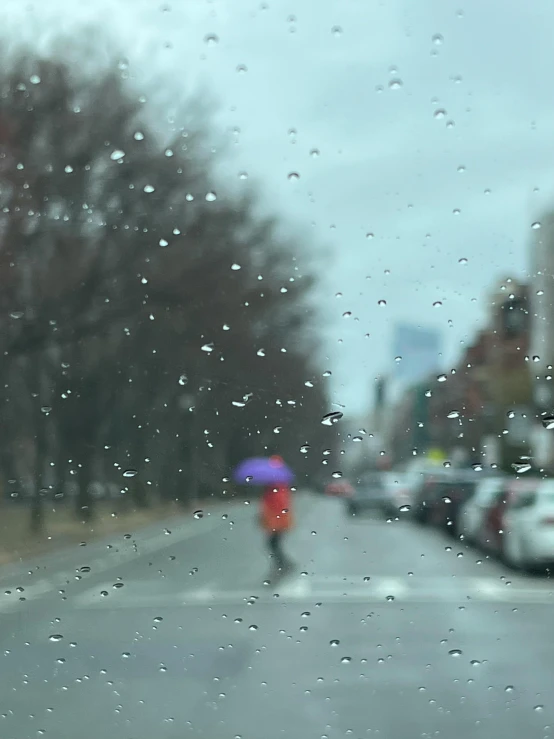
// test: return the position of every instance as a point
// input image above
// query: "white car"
(473, 512)
(528, 522)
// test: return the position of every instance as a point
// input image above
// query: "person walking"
(276, 520)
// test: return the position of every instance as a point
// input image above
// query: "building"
(542, 335)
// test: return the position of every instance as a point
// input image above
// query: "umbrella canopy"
(264, 471)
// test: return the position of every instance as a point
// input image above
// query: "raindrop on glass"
(330, 418)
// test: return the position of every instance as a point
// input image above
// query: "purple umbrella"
(264, 471)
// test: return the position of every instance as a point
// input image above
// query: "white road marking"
(390, 588)
(326, 590)
(299, 589)
(100, 564)
(15, 597)
(488, 589)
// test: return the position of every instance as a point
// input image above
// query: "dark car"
(449, 497)
(426, 494)
(369, 494)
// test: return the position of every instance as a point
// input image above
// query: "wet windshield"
(277, 340)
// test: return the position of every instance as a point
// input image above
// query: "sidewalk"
(62, 529)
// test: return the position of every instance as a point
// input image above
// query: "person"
(276, 520)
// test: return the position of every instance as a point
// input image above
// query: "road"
(386, 630)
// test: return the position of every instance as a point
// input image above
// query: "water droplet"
(441, 378)
(395, 84)
(538, 708)
(381, 303)
(477, 466)
(548, 422)
(211, 196)
(405, 508)
(463, 260)
(330, 418)
(336, 474)
(336, 31)
(235, 267)
(183, 379)
(16, 314)
(536, 225)
(261, 352)
(334, 642)
(252, 627)
(437, 39)
(149, 188)
(157, 619)
(509, 688)
(130, 473)
(305, 448)
(437, 304)
(455, 652)
(439, 114)
(211, 39)
(511, 414)
(521, 467)
(207, 348)
(198, 514)
(241, 69)
(314, 153)
(347, 314)
(125, 655)
(346, 660)
(475, 663)
(293, 176)
(453, 414)
(55, 637)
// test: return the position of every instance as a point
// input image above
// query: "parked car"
(340, 489)
(426, 493)
(472, 518)
(369, 493)
(449, 497)
(528, 524)
(400, 489)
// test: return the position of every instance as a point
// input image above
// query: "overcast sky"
(433, 125)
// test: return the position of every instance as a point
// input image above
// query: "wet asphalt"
(384, 629)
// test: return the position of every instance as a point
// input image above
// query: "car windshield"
(277, 301)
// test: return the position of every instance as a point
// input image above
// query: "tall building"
(542, 333)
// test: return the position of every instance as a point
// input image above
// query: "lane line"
(391, 587)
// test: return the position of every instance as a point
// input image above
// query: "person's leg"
(274, 545)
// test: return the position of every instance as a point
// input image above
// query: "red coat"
(275, 508)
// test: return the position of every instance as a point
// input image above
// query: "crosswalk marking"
(15, 596)
(330, 590)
